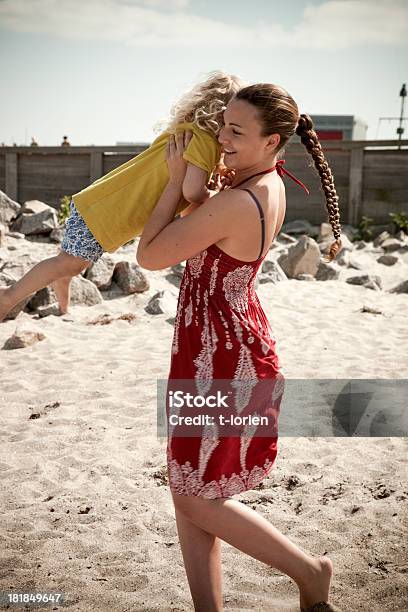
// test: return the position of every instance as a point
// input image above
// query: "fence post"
(355, 185)
(11, 175)
(96, 166)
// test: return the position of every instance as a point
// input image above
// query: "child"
(114, 208)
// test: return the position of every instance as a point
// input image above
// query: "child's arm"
(195, 185)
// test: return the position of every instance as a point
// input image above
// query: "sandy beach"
(85, 506)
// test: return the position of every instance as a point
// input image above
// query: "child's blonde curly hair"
(204, 104)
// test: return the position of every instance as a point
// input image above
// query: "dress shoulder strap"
(261, 214)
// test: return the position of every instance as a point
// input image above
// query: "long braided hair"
(279, 114)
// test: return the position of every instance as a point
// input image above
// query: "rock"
(343, 258)
(353, 263)
(379, 228)
(391, 244)
(9, 209)
(42, 299)
(100, 272)
(285, 238)
(301, 258)
(401, 288)
(57, 235)
(5, 281)
(18, 266)
(381, 238)
(388, 259)
(51, 309)
(130, 278)
(300, 226)
(34, 207)
(4, 256)
(326, 232)
(17, 235)
(328, 271)
(401, 236)
(84, 292)
(305, 277)
(178, 269)
(345, 244)
(38, 223)
(360, 244)
(162, 302)
(271, 272)
(370, 281)
(25, 335)
(350, 231)
(3, 231)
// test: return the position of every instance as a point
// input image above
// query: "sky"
(103, 71)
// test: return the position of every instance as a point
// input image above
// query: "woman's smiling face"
(241, 138)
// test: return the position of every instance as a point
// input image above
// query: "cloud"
(331, 25)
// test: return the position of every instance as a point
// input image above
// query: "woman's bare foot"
(5, 305)
(62, 290)
(318, 586)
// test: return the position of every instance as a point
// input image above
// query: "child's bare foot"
(5, 305)
(318, 587)
(62, 290)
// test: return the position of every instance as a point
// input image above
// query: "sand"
(85, 506)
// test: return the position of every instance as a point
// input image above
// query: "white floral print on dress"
(183, 478)
(204, 360)
(236, 286)
(195, 263)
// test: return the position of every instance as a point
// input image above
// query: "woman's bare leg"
(202, 560)
(41, 275)
(251, 533)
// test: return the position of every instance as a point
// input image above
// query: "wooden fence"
(371, 178)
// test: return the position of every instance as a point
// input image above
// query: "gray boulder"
(130, 278)
(388, 259)
(370, 281)
(301, 258)
(5, 281)
(100, 272)
(162, 302)
(328, 271)
(84, 292)
(400, 288)
(36, 223)
(381, 238)
(9, 209)
(25, 335)
(299, 227)
(271, 272)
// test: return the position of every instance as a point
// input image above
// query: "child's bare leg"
(41, 275)
(62, 288)
(202, 561)
(251, 533)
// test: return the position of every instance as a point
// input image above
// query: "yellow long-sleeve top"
(117, 206)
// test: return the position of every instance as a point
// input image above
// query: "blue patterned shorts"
(78, 239)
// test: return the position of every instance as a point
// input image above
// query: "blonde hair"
(204, 104)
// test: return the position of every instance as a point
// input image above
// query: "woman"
(221, 332)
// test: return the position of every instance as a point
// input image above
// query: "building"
(338, 127)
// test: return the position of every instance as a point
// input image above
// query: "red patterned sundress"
(221, 332)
